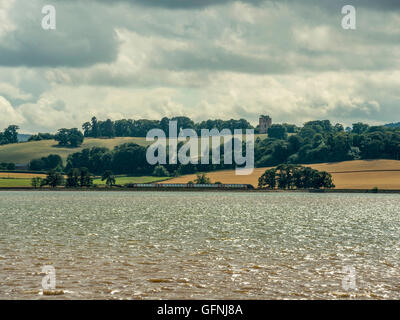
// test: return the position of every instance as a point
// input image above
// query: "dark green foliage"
(53, 161)
(277, 131)
(37, 182)
(319, 141)
(295, 177)
(160, 171)
(79, 177)
(9, 135)
(201, 178)
(69, 137)
(140, 128)
(7, 166)
(109, 177)
(53, 179)
(73, 177)
(41, 136)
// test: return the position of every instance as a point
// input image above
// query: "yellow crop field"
(13, 175)
(359, 174)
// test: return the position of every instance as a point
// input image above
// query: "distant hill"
(393, 125)
(23, 137)
(23, 153)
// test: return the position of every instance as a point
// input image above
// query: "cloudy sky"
(200, 58)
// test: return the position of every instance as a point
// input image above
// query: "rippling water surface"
(206, 245)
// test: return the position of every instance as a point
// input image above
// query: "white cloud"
(294, 62)
(13, 92)
(9, 114)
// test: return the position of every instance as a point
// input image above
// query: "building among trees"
(265, 122)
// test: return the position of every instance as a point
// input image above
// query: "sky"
(205, 59)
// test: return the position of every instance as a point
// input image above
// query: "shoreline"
(382, 191)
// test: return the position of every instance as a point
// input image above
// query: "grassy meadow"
(26, 151)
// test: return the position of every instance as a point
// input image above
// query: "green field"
(26, 182)
(11, 183)
(22, 153)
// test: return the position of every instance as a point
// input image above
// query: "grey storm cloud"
(331, 4)
(80, 39)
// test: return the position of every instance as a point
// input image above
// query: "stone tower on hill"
(265, 122)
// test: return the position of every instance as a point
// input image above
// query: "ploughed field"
(358, 174)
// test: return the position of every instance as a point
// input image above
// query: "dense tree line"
(52, 161)
(130, 158)
(41, 136)
(7, 166)
(291, 177)
(69, 137)
(140, 128)
(320, 141)
(53, 180)
(9, 135)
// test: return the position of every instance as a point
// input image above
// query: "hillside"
(24, 152)
(359, 174)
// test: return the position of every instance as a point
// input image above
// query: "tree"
(52, 161)
(85, 178)
(160, 171)
(202, 179)
(108, 129)
(109, 177)
(69, 137)
(73, 178)
(54, 179)
(360, 127)
(7, 166)
(87, 129)
(36, 182)
(95, 128)
(75, 138)
(268, 179)
(290, 176)
(322, 180)
(277, 131)
(11, 134)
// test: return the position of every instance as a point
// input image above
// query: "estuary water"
(200, 245)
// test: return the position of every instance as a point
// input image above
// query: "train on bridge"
(189, 186)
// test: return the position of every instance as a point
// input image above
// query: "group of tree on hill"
(9, 135)
(140, 128)
(316, 141)
(52, 161)
(320, 141)
(287, 176)
(69, 137)
(7, 166)
(41, 136)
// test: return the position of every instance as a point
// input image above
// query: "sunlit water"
(204, 245)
